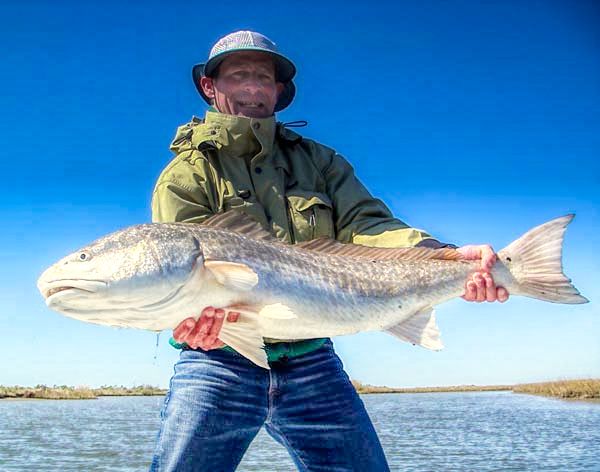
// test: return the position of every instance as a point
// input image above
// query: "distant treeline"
(64, 392)
(576, 389)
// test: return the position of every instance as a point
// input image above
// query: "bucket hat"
(248, 41)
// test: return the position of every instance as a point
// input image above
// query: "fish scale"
(327, 299)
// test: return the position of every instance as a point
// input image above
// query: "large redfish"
(153, 276)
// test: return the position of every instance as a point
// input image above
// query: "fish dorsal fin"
(240, 223)
(331, 246)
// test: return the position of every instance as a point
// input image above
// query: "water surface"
(426, 431)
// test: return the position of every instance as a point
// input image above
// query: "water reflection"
(437, 431)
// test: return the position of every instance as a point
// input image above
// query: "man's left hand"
(480, 285)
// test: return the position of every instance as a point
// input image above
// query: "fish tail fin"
(535, 262)
(244, 336)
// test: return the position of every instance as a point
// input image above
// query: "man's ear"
(280, 88)
(208, 86)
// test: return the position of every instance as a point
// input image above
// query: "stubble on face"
(246, 85)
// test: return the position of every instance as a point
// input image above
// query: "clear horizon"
(474, 122)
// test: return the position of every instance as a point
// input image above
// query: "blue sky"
(472, 120)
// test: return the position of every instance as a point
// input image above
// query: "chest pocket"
(311, 215)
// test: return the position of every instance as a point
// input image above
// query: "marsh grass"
(582, 389)
(64, 392)
(365, 388)
(577, 389)
(140, 390)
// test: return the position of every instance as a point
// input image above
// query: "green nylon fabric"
(275, 351)
(295, 187)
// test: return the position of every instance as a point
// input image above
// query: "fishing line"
(156, 347)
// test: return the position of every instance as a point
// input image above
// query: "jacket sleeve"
(175, 199)
(179, 196)
(359, 217)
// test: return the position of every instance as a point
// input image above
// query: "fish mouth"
(54, 290)
(51, 289)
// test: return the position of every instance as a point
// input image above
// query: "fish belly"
(335, 299)
(314, 320)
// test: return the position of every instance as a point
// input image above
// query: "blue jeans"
(218, 401)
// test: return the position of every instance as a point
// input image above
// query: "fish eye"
(84, 256)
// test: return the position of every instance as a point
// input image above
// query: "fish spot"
(509, 259)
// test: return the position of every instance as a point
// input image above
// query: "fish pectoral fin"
(232, 274)
(420, 329)
(244, 336)
(277, 311)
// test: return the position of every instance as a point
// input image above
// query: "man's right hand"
(204, 333)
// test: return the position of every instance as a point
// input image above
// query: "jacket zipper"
(289, 218)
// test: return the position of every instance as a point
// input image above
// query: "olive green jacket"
(296, 187)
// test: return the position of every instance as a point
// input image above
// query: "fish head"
(137, 267)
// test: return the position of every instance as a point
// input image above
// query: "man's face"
(245, 85)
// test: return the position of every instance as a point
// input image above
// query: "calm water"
(439, 431)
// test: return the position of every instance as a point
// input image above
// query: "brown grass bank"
(582, 389)
(365, 388)
(64, 392)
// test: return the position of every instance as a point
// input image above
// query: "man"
(238, 157)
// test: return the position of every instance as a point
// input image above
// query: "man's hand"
(480, 286)
(203, 333)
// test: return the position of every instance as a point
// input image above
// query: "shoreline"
(64, 392)
(365, 388)
(580, 389)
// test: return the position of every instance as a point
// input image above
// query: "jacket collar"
(213, 128)
(238, 136)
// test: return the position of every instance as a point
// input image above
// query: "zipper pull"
(312, 222)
